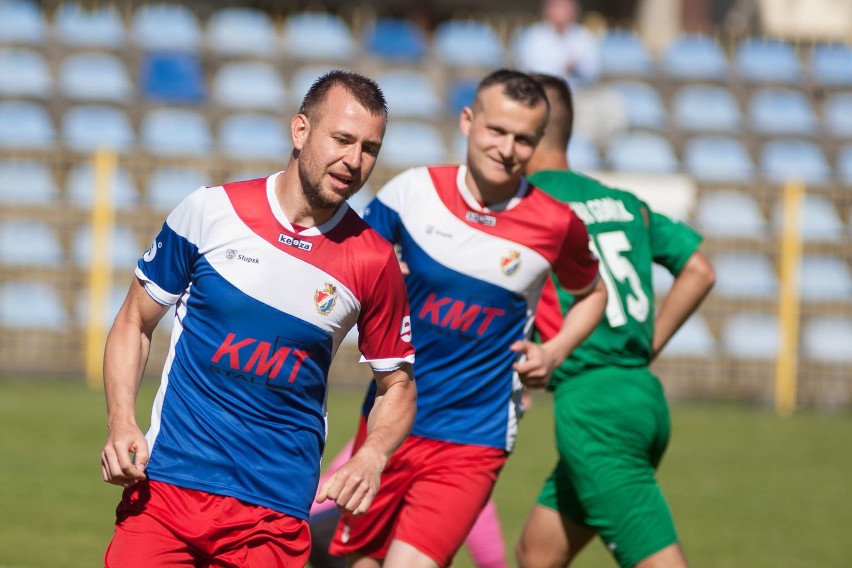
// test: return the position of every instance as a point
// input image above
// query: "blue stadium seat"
(302, 79)
(844, 165)
(767, 61)
(704, 108)
(693, 58)
(641, 152)
(831, 64)
(80, 188)
(461, 93)
(824, 278)
(255, 136)
(25, 126)
(172, 78)
(25, 182)
(730, 215)
(837, 115)
(468, 43)
(409, 144)
(166, 27)
(315, 36)
(745, 276)
(175, 131)
(253, 85)
(87, 128)
(24, 73)
(583, 153)
(167, 187)
(781, 111)
(826, 339)
(27, 304)
(410, 94)
(784, 160)
(694, 339)
(395, 40)
(95, 76)
(751, 336)
(125, 250)
(624, 54)
(644, 106)
(29, 243)
(114, 299)
(718, 159)
(242, 31)
(21, 22)
(100, 27)
(819, 219)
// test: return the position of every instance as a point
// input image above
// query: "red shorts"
(431, 494)
(159, 524)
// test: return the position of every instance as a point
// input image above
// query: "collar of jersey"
(464, 191)
(275, 206)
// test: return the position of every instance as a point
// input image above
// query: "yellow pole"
(100, 268)
(786, 369)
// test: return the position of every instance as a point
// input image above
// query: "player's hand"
(354, 486)
(125, 455)
(534, 365)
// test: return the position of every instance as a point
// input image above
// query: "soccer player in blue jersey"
(267, 276)
(479, 243)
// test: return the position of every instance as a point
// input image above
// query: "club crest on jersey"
(230, 254)
(511, 263)
(325, 299)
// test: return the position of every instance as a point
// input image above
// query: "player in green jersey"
(611, 415)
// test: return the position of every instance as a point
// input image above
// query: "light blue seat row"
(31, 305)
(24, 73)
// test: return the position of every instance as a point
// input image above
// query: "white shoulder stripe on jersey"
(157, 294)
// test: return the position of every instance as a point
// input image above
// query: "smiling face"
(337, 148)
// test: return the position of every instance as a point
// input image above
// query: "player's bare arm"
(688, 290)
(125, 453)
(356, 483)
(535, 368)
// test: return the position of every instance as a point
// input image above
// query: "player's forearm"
(582, 318)
(125, 357)
(392, 416)
(685, 295)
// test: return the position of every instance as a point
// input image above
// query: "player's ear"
(465, 120)
(300, 127)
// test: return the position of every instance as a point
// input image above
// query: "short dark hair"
(517, 86)
(561, 123)
(364, 89)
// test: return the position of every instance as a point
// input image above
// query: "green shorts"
(612, 428)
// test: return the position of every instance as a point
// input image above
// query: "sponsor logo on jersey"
(468, 318)
(511, 263)
(480, 218)
(230, 254)
(255, 361)
(325, 298)
(152, 251)
(294, 242)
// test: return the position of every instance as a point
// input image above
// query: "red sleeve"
(577, 266)
(548, 314)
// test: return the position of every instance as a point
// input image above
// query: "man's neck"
(291, 198)
(488, 194)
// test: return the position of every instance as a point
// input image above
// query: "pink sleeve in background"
(485, 541)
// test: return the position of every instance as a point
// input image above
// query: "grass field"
(747, 488)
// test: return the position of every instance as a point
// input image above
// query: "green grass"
(747, 487)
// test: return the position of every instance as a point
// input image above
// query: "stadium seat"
(394, 40)
(410, 94)
(87, 128)
(694, 58)
(100, 27)
(249, 85)
(583, 153)
(172, 78)
(242, 31)
(175, 131)
(774, 111)
(24, 73)
(124, 248)
(165, 27)
(693, 339)
(29, 243)
(26, 304)
(826, 339)
(784, 160)
(95, 76)
(255, 136)
(730, 215)
(624, 55)
(167, 187)
(752, 336)
(819, 219)
(80, 188)
(824, 278)
(114, 300)
(718, 159)
(644, 106)
(468, 43)
(302, 79)
(831, 64)
(318, 36)
(409, 144)
(844, 165)
(744, 276)
(704, 108)
(460, 94)
(662, 280)
(25, 126)
(767, 61)
(837, 115)
(641, 152)
(25, 182)
(21, 22)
